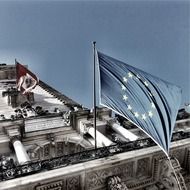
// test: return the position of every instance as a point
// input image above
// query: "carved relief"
(98, 178)
(57, 185)
(59, 148)
(179, 154)
(187, 180)
(143, 167)
(128, 169)
(34, 154)
(187, 160)
(167, 177)
(114, 183)
(164, 175)
(46, 150)
(152, 187)
(73, 183)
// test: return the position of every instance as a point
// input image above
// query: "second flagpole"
(94, 92)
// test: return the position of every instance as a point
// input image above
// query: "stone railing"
(67, 101)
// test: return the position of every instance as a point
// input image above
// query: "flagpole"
(16, 72)
(94, 92)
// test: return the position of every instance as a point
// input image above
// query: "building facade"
(47, 143)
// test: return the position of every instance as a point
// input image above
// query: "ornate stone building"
(47, 143)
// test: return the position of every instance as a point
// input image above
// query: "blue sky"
(54, 38)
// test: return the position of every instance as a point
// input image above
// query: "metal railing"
(13, 171)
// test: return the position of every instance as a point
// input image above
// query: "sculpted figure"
(167, 177)
(114, 183)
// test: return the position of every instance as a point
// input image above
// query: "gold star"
(123, 87)
(150, 94)
(125, 97)
(130, 75)
(124, 79)
(152, 105)
(150, 114)
(146, 83)
(136, 114)
(143, 116)
(129, 107)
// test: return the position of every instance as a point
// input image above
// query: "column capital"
(111, 121)
(14, 133)
(15, 138)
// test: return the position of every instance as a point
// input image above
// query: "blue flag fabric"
(147, 101)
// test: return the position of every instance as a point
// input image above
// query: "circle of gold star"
(125, 98)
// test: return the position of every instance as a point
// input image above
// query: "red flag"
(25, 79)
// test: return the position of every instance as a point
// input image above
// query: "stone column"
(123, 132)
(20, 151)
(101, 139)
(15, 135)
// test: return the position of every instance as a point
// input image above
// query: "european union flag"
(149, 102)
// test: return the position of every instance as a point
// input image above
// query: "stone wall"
(7, 72)
(137, 169)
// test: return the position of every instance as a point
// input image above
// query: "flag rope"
(176, 177)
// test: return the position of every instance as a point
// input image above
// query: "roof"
(43, 96)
